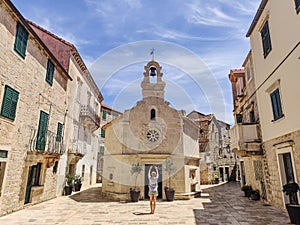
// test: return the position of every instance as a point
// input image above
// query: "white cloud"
(207, 14)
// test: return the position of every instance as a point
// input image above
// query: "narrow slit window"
(152, 114)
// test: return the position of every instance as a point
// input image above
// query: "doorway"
(221, 171)
(29, 184)
(286, 172)
(146, 188)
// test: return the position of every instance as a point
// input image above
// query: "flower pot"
(134, 195)
(77, 186)
(255, 197)
(294, 213)
(170, 193)
(68, 190)
(247, 193)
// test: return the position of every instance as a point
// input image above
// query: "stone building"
(82, 137)
(107, 115)
(217, 161)
(150, 134)
(246, 132)
(274, 39)
(33, 100)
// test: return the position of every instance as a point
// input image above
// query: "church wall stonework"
(150, 134)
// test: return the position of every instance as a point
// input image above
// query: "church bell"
(152, 73)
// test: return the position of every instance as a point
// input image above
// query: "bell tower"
(157, 88)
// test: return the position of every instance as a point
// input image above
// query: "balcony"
(50, 143)
(48, 146)
(246, 139)
(77, 151)
(89, 118)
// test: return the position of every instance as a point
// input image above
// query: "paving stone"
(221, 205)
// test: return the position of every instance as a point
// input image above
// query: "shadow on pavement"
(90, 195)
(141, 213)
(229, 206)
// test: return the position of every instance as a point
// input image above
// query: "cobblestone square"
(222, 204)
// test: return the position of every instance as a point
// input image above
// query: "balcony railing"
(246, 138)
(50, 143)
(78, 148)
(89, 118)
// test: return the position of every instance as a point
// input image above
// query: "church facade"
(151, 133)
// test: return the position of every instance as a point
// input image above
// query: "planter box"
(294, 213)
(170, 193)
(134, 195)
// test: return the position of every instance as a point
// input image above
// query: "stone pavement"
(224, 205)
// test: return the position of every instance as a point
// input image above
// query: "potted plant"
(169, 191)
(77, 183)
(69, 184)
(215, 177)
(255, 195)
(136, 169)
(247, 190)
(293, 207)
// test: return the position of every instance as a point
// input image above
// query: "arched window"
(152, 114)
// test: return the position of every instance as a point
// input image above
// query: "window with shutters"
(101, 151)
(42, 131)
(50, 72)
(59, 132)
(104, 114)
(21, 40)
(102, 133)
(297, 3)
(9, 103)
(266, 39)
(276, 104)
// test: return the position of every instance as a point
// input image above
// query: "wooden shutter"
(59, 132)
(102, 133)
(21, 40)
(276, 104)
(297, 3)
(104, 114)
(50, 72)
(42, 131)
(266, 39)
(9, 104)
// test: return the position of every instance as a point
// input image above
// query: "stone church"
(151, 133)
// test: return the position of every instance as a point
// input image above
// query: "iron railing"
(51, 144)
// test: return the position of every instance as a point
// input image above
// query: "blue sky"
(114, 37)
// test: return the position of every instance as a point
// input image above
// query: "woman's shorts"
(152, 193)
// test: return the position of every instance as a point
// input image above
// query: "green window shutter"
(59, 132)
(21, 40)
(50, 72)
(297, 3)
(276, 104)
(266, 39)
(9, 104)
(102, 133)
(104, 114)
(42, 131)
(101, 149)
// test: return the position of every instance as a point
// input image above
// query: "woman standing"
(153, 185)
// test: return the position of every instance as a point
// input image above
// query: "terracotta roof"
(60, 48)
(237, 71)
(256, 17)
(108, 107)
(63, 50)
